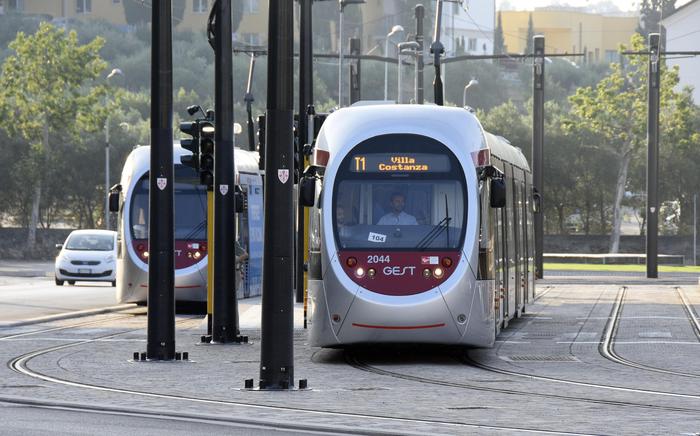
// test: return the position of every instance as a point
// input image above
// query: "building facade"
(683, 34)
(570, 31)
(252, 29)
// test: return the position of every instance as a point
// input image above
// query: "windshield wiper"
(194, 231)
(433, 234)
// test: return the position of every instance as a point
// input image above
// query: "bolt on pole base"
(284, 386)
(236, 340)
(179, 356)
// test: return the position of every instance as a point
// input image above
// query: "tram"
(421, 228)
(130, 199)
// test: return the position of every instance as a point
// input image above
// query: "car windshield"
(401, 192)
(190, 206)
(87, 242)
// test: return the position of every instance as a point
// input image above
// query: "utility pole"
(420, 15)
(277, 348)
(306, 98)
(161, 262)
(225, 316)
(537, 150)
(653, 157)
(249, 99)
(355, 72)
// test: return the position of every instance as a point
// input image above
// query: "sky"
(602, 6)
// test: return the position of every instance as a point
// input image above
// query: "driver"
(397, 216)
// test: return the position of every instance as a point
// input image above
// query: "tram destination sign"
(400, 163)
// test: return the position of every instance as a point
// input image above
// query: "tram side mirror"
(114, 192)
(308, 191)
(498, 193)
(240, 200)
(536, 202)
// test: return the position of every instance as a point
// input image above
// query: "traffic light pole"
(537, 150)
(653, 158)
(420, 38)
(225, 316)
(277, 352)
(161, 262)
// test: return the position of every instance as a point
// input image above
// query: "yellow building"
(570, 31)
(252, 29)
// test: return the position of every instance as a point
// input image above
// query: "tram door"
(531, 237)
(500, 277)
(511, 253)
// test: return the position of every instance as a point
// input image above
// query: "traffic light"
(192, 144)
(206, 149)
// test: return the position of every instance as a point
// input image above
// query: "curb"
(68, 315)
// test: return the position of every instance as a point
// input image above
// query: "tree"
(498, 43)
(650, 14)
(615, 111)
(48, 89)
(530, 43)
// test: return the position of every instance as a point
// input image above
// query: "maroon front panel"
(399, 272)
(187, 253)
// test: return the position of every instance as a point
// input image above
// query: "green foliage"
(50, 100)
(498, 42)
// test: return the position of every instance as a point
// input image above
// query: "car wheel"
(71, 282)
(59, 282)
(114, 283)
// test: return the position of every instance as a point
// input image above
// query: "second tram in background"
(423, 231)
(130, 198)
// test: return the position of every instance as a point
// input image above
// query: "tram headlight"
(360, 272)
(427, 273)
(446, 262)
(145, 254)
(351, 262)
(438, 272)
(371, 273)
(197, 255)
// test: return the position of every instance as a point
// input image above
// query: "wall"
(679, 245)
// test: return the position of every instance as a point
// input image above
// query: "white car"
(87, 255)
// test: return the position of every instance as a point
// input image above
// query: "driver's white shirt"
(402, 219)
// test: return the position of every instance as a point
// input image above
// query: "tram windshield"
(399, 192)
(190, 206)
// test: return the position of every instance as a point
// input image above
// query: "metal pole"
(398, 81)
(161, 263)
(249, 104)
(277, 352)
(107, 173)
(306, 89)
(538, 150)
(210, 260)
(225, 321)
(355, 71)
(420, 15)
(340, 56)
(386, 69)
(653, 158)
(437, 49)
(695, 228)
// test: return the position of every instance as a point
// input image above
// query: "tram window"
(386, 214)
(189, 197)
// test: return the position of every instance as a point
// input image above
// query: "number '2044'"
(378, 259)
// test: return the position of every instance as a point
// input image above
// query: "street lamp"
(114, 72)
(394, 30)
(467, 86)
(408, 47)
(341, 5)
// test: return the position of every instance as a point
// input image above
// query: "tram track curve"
(606, 348)
(19, 364)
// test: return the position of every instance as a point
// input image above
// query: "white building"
(683, 34)
(474, 21)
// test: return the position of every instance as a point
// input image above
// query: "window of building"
(611, 56)
(472, 44)
(251, 7)
(200, 6)
(13, 5)
(83, 6)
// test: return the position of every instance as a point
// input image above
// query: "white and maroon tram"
(421, 228)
